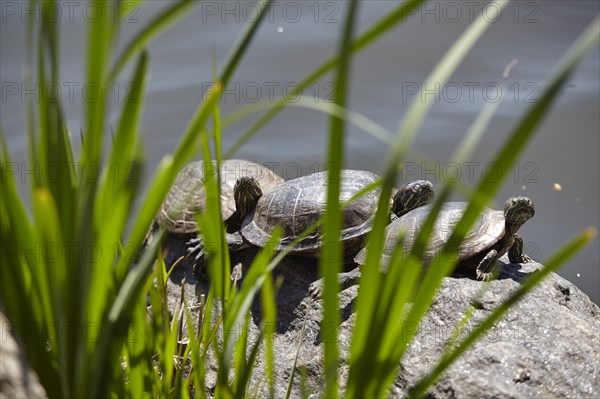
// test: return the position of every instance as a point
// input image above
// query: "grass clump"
(130, 356)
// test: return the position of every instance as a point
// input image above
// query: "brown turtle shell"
(487, 231)
(297, 204)
(187, 196)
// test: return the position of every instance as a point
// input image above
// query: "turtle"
(493, 234)
(242, 183)
(412, 195)
(299, 203)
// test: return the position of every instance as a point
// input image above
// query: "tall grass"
(83, 320)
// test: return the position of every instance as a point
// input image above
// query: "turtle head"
(246, 194)
(517, 210)
(412, 195)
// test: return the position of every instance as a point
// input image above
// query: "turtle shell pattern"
(486, 232)
(187, 196)
(297, 204)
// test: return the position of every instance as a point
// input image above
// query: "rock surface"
(17, 379)
(548, 345)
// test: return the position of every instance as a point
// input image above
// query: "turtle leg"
(196, 248)
(200, 256)
(235, 242)
(345, 280)
(196, 245)
(486, 266)
(515, 253)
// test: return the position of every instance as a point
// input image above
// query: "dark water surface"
(559, 171)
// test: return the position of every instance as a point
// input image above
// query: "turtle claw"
(483, 276)
(315, 289)
(519, 258)
(525, 259)
(197, 253)
(195, 248)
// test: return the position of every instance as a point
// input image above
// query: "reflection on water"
(386, 78)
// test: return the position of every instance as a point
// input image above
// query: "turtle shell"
(187, 196)
(487, 231)
(297, 204)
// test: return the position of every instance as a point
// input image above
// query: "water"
(298, 35)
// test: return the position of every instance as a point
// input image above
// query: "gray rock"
(548, 345)
(17, 379)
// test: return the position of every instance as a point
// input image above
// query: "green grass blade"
(390, 20)
(29, 103)
(362, 373)
(25, 296)
(189, 143)
(257, 274)
(47, 217)
(116, 323)
(99, 39)
(212, 227)
(213, 94)
(241, 45)
(330, 265)
(238, 306)
(153, 29)
(551, 264)
(443, 265)
(288, 393)
(506, 156)
(240, 371)
(400, 288)
(361, 121)
(268, 330)
(116, 189)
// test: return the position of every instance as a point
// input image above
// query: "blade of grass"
(444, 264)
(390, 20)
(117, 320)
(362, 122)
(551, 265)
(330, 265)
(506, 156)
(288, 392)
(115, 194)
(29, 103)
(152, 30)
(400, 281)
(238, 384)
(57, 197)
(268, 330)
(368, 125)
(238, 306)
(161, 183)
(360, 372)
(113, 201)
(25, 298)
(257, 274)
(406, 284)
(47, 217)
(99, 39)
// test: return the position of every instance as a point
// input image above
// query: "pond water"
(560, 170)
